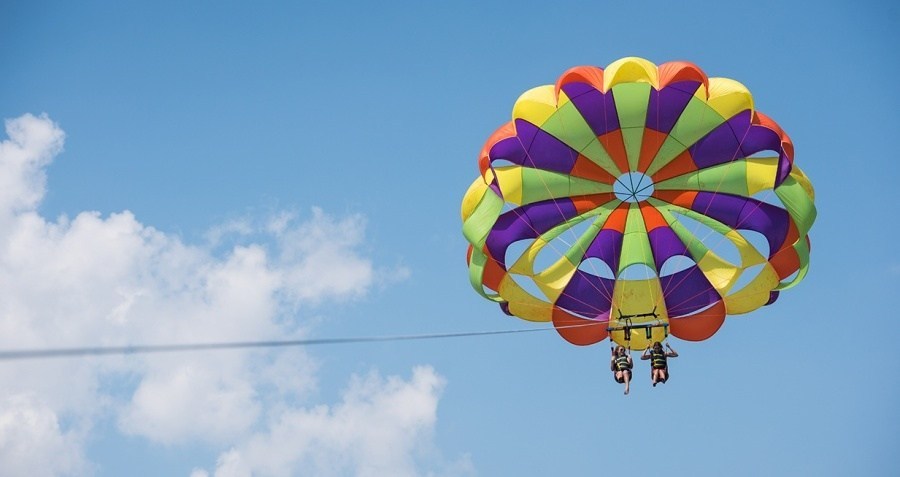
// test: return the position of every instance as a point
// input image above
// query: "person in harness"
(659, 366)
(620, 364)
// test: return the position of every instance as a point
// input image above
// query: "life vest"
(658, 359)
(622, 363)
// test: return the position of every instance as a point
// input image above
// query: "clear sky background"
(216, 171)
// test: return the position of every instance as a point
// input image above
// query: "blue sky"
(222, 171)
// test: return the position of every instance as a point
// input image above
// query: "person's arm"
(646, 353)
(671, 353)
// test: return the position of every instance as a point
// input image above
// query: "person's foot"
(626, 390)
(654, 384)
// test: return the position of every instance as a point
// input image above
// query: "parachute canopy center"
(633, 187)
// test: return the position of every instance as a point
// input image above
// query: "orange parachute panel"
(700, 326)
(579, 331)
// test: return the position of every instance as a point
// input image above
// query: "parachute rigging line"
(23, 354)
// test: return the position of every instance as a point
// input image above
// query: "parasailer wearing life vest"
(620, 364)
(659, 365)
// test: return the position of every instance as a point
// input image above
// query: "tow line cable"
(22, 354)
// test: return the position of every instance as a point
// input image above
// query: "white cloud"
(32, 443)
(95, 280)
(33, 142)
(382, 426)
(316, 255)
(192, 401)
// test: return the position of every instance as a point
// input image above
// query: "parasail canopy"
(647, 200)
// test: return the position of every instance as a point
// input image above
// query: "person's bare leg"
(627, 377)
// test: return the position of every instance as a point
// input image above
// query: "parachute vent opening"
(673, 265)
(516, 250)
(713, 240)
(765, 154)
(568, 242)
(550, 254)
(502, 163)
(597, 267)
(528, 284)
(633, 187)
(638, 271)
(769, 197)
(487, 290)
(791, 277)
(758, 240)
(747, 276)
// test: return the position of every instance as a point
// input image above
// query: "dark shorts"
(666, 369)
(622, 378)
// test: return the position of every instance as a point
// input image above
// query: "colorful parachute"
(646, 200)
